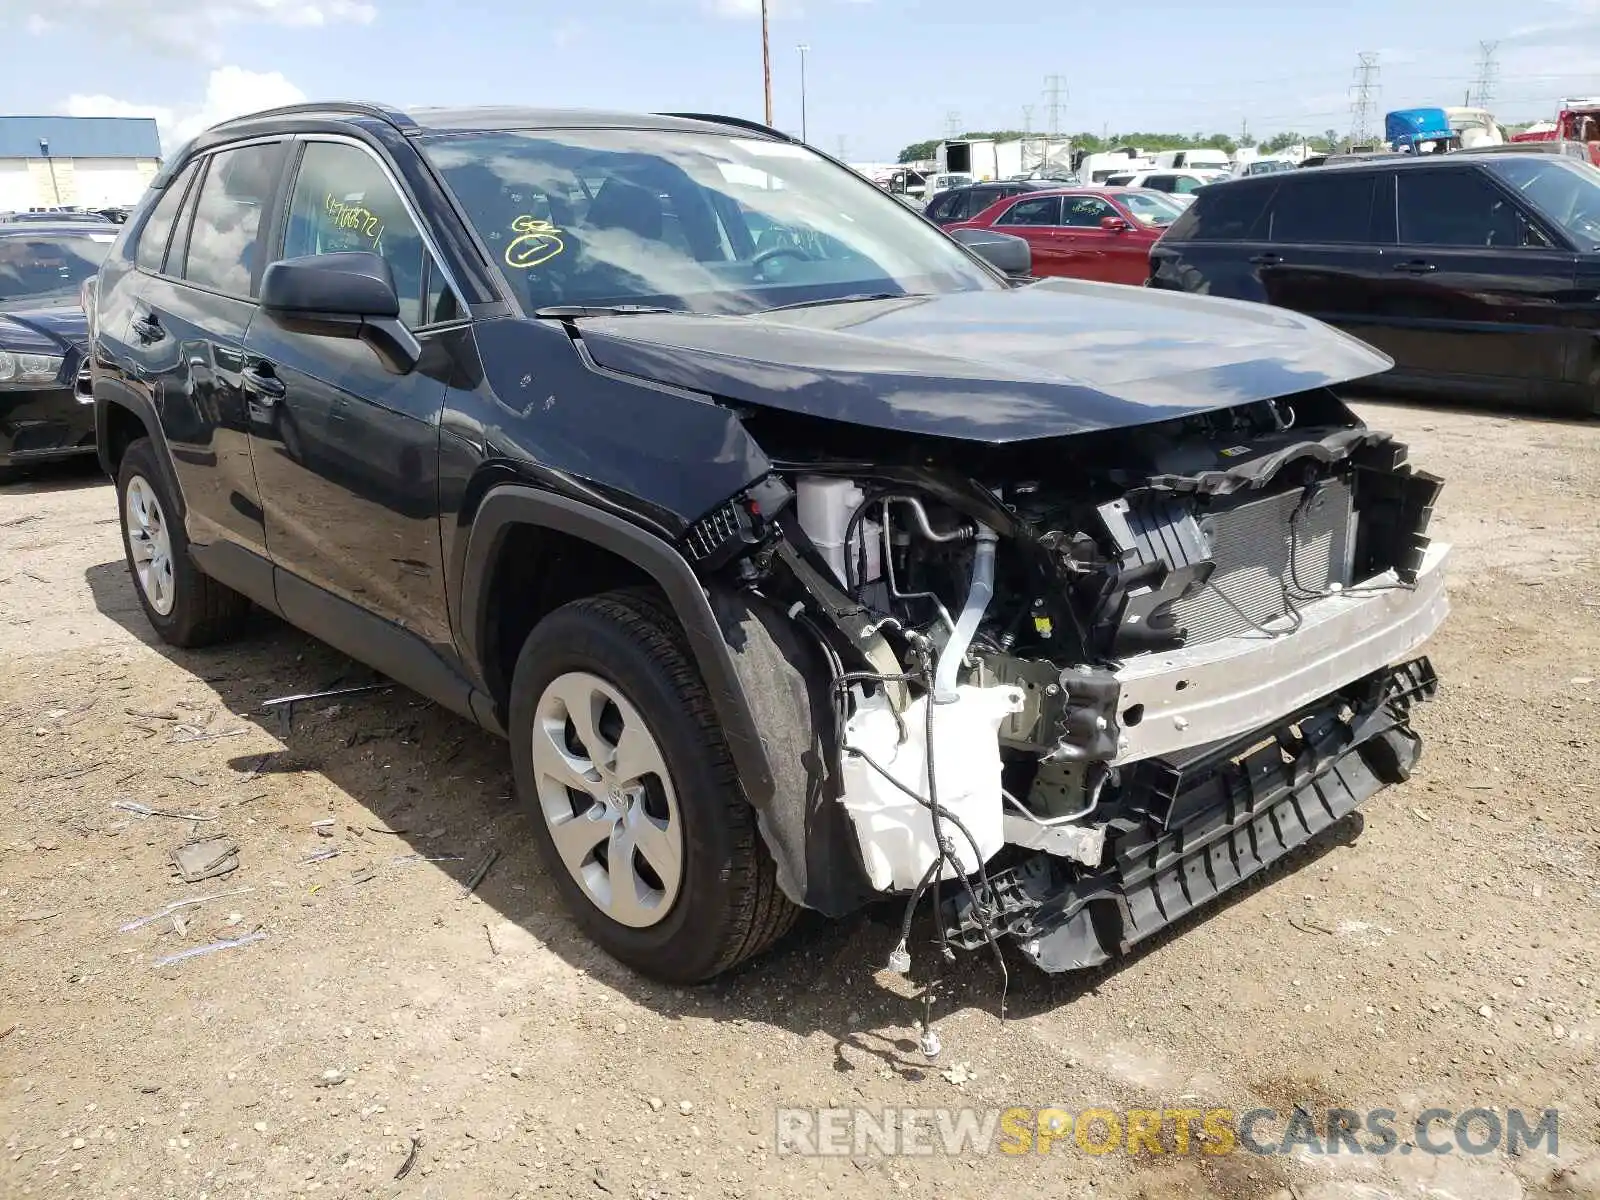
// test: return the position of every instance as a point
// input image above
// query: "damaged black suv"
(802, 558)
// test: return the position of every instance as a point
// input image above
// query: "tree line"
(1093, 143)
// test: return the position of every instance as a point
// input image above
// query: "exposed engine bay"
(1093, 681)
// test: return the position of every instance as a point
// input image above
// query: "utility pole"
(1364, 104)
(1488, 73)
(766, 62)
(1244, 132)
(1027, 119)
(1054, 86)
(803, 48)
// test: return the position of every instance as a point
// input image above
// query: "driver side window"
(342, 201)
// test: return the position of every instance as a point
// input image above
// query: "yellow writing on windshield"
(354, 218)
(537, 242)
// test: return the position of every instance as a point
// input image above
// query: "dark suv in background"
(1478, 274)
(964, 203)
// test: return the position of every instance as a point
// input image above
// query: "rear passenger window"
(224, 250)
(157, 231)
(1041, 210)
(1455, 208)
(1226, 214)
(940, 209)
(1334, 208)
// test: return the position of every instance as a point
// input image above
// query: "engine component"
(886, 756)
(825, 507)
(979, 593)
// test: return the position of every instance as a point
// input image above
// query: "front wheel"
(186, 606)
(639, 817)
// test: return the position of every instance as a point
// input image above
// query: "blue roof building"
(87, 162)
(79, 137)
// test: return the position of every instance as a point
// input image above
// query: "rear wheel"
(186, 606)
(616, 748)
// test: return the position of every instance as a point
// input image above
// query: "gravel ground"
(1443, 950)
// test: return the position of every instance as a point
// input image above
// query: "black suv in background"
(964, 203)
(1478, 274)
(727, 488)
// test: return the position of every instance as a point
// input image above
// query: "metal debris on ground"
(324, 828)
(176, 905)
(364, 875)
(144, 810)
(477, 876)
(285, 704)
(210, 948)
(255, 768)
(44, 914)
(184, 734)
(206, 859)
(411, 1159)
(411, 858)
(322, 855)
(151, 716)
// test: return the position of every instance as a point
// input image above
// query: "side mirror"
(1009, 255)
(345, 295)
(1114, 225)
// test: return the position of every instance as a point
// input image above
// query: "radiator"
(1250, 543)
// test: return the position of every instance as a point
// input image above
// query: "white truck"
(1193, 160)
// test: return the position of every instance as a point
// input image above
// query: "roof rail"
(382, 112)
(736, 122)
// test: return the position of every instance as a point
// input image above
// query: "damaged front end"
(1087, 683)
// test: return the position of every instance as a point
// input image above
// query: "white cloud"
(182, 27)
(230, 92)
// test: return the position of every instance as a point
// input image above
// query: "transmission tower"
(952, 124)
(1054, 90)
(1488, 73)
(1364, 104)
(1027, 119)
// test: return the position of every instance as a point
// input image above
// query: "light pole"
(802, 47)
(55, 188)
(766, 62)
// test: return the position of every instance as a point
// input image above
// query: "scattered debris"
(190, 733)
(144, 810)
(324, 828)
(1305, 926)
(411, 1159)
(322, 855)
(151, 716)
(191, 780)
(493, 949)
(364, 875)
(22, 520)
(285, 704)
(206, 859)
(477, 876)
(255, 768)
(44, 914)
(176, 905)
(411, 858)
(7, 1032)
(332, 1077)
(210, 948)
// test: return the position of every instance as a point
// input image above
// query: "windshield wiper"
(601, 310)
(846, 300)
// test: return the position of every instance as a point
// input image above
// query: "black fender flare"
(108, 395)
(510, 505)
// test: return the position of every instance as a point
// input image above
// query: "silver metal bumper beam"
(1200, 694)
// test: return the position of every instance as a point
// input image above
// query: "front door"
(1095, 252)
(346, 452)
(1474, 291)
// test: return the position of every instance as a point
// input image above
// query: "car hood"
(1054, 358)
(43, 330)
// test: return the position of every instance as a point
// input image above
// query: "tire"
(621, 657)
(185, 606)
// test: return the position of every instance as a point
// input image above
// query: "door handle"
(260, 382)
(1415, 266)
(148, 329)
(1266, 260)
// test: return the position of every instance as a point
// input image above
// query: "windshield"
(701, 222)
(35, 265)
(1151, 208)
(1564, 190)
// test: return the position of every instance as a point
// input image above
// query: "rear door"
(187, 341)
(1211, 249)
(346, 452)
(1472, 300)
(1037, 220)
(1317, 251)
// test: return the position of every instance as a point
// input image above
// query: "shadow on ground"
(441, 785)
(64, 475)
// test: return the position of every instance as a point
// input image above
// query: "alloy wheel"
(149, 544)
(607, 798)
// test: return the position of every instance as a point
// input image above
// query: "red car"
(1085, 233)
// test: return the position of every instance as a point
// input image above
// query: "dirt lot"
(1444, 951)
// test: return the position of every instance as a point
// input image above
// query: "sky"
(879, 73)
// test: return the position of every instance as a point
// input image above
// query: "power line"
(1364, 105)
(1488, 73)
(1054, 87)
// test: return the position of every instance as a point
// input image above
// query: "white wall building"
(88, 162)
